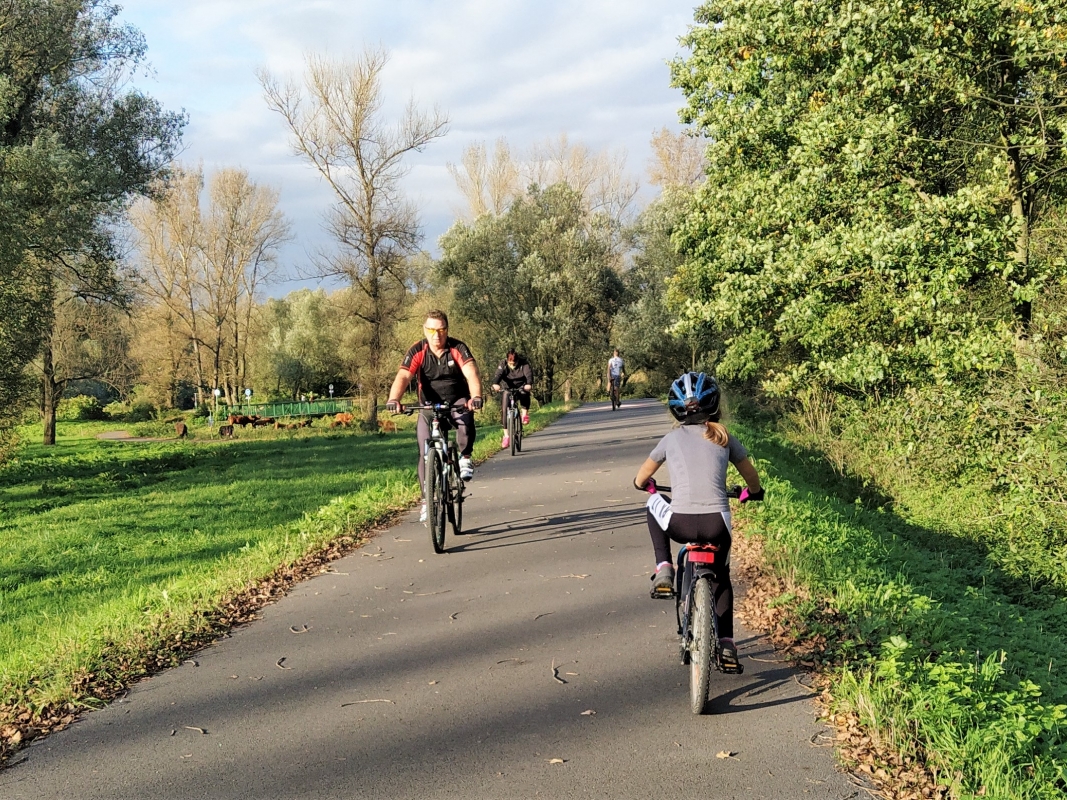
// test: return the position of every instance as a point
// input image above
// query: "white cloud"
(524, 69)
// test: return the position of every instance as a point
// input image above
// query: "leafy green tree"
(876, 170)
(299, 349)
(75, 146)
(645, 329)
(540, 277)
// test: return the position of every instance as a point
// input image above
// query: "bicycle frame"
(443, 491)
(513, 419)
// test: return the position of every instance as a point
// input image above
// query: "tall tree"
(336, 123)
(202, 263)
(541, 277)
(75, 145)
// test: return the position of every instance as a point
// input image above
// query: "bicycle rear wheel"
(518, 433)
(512, 433)
(436, 491)
(700, 648)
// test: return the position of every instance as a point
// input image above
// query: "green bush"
(79, 409)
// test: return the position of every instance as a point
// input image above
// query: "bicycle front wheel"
(518, 434)
(455, 509)
(513, 431)
(436, 509)
(700, 648)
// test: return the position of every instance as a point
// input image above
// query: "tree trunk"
(49, 394)
(567, 390)
(1020, 212)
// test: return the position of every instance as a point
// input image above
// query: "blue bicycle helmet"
(694, 397)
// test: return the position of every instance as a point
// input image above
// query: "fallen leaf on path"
(429, 594)
(358, 702)
(453, 616)
(547, 613)
(555, 673)
(575, 674)
(279, 663)
(191, 661)
(557, 761)
(575, 576)
(301, 629)
(588, 713)
(433, 683)
(726, 754)
(398, 539)
(194, 728)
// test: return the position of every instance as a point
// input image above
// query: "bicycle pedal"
(732, 669)
(661, 594)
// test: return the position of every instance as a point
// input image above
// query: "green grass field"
(109, 547)
(943, 654)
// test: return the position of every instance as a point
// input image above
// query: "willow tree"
(337, 124)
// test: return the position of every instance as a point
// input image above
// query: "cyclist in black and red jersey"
(516, 375)
(445, 372)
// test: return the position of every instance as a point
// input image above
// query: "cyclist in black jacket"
(516, 375)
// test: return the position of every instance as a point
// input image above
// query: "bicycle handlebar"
(734, 492)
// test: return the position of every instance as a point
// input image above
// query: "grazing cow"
(344, 419)
(181, 430)
(386, 426)
(226, 431)
(258, 422)
(242, 420)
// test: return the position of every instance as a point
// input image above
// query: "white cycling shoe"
(466, 468)
(422, 514)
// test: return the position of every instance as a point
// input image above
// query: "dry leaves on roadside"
(726, 754)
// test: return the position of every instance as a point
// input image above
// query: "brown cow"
(258, 422)
(181, 430)
(386, 426)
(242, 420)
(226, 431)
(344, 419)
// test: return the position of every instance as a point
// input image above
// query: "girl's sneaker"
(525, 417)
(506, 442)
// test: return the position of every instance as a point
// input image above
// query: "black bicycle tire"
(455, 511)
(435, 501)
(701, 646)
(511, 431)
(518, 434)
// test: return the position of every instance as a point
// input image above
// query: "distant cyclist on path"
(698, 452)
(515, 375)
(616, 369)
(445, 372)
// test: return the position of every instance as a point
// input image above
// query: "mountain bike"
(513, 420)
(443, 493)
(698, 626)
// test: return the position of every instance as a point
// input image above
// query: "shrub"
(79, 408)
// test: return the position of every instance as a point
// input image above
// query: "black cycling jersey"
(440, 378)
(509, 378)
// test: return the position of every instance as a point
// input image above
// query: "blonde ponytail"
(716, 433)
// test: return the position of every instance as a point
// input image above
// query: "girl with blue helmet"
(697, 452)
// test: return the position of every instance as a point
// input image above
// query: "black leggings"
(701, 529)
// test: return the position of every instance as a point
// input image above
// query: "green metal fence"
(314, 408)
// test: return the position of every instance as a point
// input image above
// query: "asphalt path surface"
(526, 661)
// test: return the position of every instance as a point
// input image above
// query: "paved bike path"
(527, 661)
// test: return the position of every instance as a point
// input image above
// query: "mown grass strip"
(944, 656)
(110, 551)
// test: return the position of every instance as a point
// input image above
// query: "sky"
(527, 70)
